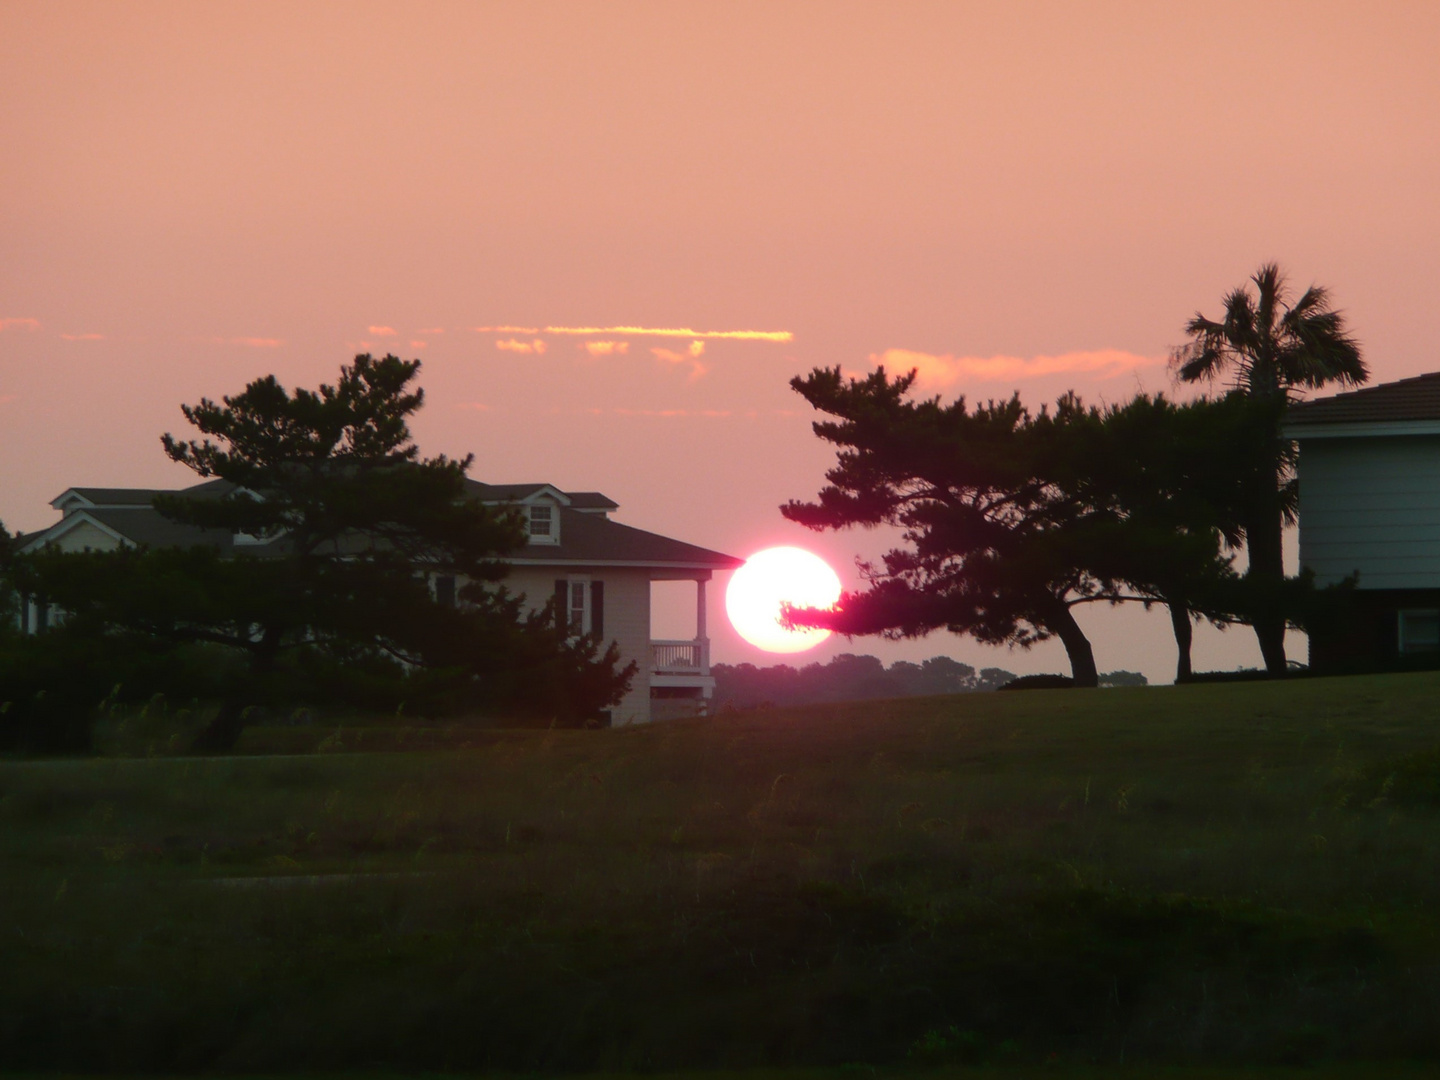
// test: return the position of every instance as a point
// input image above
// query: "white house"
(1369, 474)
(598, 569)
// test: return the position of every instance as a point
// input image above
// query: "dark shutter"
(562, 604)
(597, 608)
(445, 590)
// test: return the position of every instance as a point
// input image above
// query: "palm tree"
(1274, 351)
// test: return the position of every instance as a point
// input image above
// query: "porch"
(680, 679)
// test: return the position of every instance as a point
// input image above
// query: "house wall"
(1371, 505)
(627, 621)
(86, 536)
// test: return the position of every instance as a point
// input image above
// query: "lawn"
(1203, 875)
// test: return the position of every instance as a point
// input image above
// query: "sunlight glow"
(775, 576)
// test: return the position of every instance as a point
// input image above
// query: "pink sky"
(1029, 197)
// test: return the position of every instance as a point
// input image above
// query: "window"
(1419, 631)
(579, 609)
(542, 525)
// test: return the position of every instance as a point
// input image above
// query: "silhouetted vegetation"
(1271, 349)
(1011, 520)
(848, 677)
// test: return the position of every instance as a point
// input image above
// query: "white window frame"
(578, 586)
(552, 533)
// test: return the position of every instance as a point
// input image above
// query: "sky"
(1027, 197)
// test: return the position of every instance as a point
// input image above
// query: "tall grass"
(1189, 874)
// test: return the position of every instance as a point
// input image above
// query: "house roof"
(593, 539)
(586, 537)
(1416, 399)
(503, 493)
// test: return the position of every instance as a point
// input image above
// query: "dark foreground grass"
(1205, 875)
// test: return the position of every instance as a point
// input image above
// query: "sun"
(768, 579)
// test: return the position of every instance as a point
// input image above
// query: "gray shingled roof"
(147, 527)
(584, 537)
(1407, 399)
(590, 538)
(579, 500)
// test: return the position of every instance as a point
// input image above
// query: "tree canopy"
(1009, 520)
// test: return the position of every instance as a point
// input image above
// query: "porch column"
(700, 630)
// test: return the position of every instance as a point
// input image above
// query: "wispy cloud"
(512, 345)
(474, 406)
(82, 337)
(19, 324)
(690, 356)
(605, 348)
(643, 331)
(380, 331)
(947, 370)
(418, 344)
(251, 342)
(671, 332)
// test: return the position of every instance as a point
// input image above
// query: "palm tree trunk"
(1266, 574)
(1184, 635)
(1077, 647)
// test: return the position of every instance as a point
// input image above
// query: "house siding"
(627, 621)
(86, 536)
(1372, 506)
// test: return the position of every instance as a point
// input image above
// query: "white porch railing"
(680, 657)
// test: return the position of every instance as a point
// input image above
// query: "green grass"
(1203, 875)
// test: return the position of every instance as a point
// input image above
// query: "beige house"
(598, 570)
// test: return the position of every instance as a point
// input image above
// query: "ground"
(1203, 875)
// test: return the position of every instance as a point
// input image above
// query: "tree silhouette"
(1272, 350)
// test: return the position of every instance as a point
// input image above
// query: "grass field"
(1223, 875)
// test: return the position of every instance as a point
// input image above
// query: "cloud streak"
(947, 370)
(690, 356)
(644, 331)
(512, 345)
(380, 331)
(606, 348)
(82, 337)
(19, 324)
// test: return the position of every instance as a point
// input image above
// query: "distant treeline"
(856, 678)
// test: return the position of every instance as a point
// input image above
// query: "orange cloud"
(697, 368)
(19, 324)
(506, 329)
(946, 370)
(652, 331)
(417, 344)
(605, 348)
(82, 337)
(381, 331)
(536, 346)
(251, 342)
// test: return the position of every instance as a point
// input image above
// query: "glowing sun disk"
(775, 576)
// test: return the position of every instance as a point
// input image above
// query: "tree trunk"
(223, 732)
(1184, 634)
(1263, 546)
(1077, 647)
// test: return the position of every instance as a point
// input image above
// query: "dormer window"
(543, 524)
